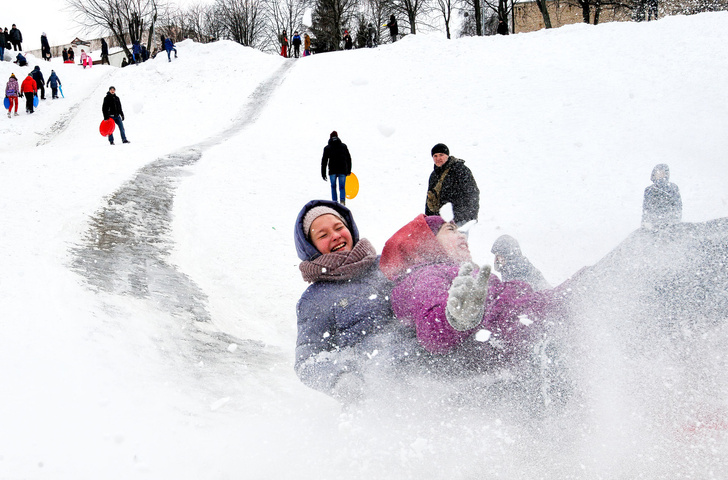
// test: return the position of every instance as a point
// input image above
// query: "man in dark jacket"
(39, 80)
(45, 48)
(16, 38)
(112, 109)
(104, 52)
(393, 28)
(2, 45)
(452, 182)
(337, 156)
(662, 204)
(512, 265)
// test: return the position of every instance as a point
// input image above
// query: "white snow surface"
(561, 129)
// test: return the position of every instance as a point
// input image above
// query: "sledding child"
(346, 309)
(12, 90)
(86, 59)
(442, 295)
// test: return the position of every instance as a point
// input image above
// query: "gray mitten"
(466, 298)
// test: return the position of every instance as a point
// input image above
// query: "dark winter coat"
(112, 106)
(168, 45)
(453, 183)
(296, 41)
(44, 42)
(64, 54)
(502, 28)
(53, 80)
(393, 28)
(71, 54)
(104, 47)
(337, 320)
(662, 202)
(136, 48)
(16, 36)
(337, 156)
(3, 40)
(20, 60)
(38, 76)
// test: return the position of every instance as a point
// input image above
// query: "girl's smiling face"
(329, 234)
(454, 242)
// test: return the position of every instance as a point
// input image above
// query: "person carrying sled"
(662, 204)
(512, 265)
(337, 157)
(393, 28)
(12, 90)
(452, 182)
(283, 39)
(169, 46)
(296, 42)
(86, 60)
(345, 312)
(306, 45)
(111, 108)
(440, 293)
(28, 89)
(54, 82)
(39, 80)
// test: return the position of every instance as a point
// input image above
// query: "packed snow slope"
(148, 290)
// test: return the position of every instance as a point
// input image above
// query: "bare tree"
(477, 19)
(284, 15)
(445, 7)
(412, 9)
(124, 19)
(328, 18)
(241, 20)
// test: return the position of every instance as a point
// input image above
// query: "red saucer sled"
(107, 127)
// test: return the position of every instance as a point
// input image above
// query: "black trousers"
(28, 101)
(16, 46)
(41, 87)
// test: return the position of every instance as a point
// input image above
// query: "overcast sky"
(51, 17)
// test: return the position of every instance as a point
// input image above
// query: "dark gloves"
(324, 177)
(106, 117)
(122, 117)
(466, 298)
(21, 94)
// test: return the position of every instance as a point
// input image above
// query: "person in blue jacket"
(345, 313)
(136, 50)
(169, 46)
(54, 82)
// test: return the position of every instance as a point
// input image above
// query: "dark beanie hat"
(334, 134)
(434, 222)
(440, 148)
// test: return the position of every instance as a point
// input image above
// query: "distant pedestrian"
(29, 89)
(283, 38)
(39, 80)
(136, 51)
(54, 82)
(371, 36)
(16, 38)
(45, 48)
(393, 28)
(502, 28)
(64, 55)
(8, 45)
(513, 265)
(2, 45)
(296, 42)
(337, 157)
(12, 90)
(71, 55)
(306, 45)
(169, 47)
(348, 42)
(104, 52)
(662, 204)
(111, 108)
(145, 53)
(86, 59)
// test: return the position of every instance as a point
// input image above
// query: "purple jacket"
(422, 273)
(12, 88)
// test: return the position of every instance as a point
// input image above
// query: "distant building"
(528, 17)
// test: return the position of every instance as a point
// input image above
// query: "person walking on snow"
(12, 90)
(28, 89)
(306, 45)
(336, 156)
(39, 80)
(2, 45)
(45, 48)
(452, 182)
(112, 109)
(136, 51)
(169, 46)
(104, 52)
(348, 42)
(86, 59)
(16, 38)
(54, 83)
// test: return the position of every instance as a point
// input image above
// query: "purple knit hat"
(434, 222)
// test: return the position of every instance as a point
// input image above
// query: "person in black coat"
(45, 48)
(662, 204)
(502, 28)
(16, 38)
(38, 77)
(512, 265)
(112, 109)
(452, 182)
(337, 157)
(104, 52)
(3, 40)
(393, 28)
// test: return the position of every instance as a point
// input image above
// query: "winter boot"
(8, 114)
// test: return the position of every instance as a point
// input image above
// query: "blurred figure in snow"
(169, 46)
(662, 204)
(512, 265)
(393, 28)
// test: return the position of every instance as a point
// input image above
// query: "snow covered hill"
(110, 253)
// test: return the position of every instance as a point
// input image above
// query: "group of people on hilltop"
(296, 42)
(423, 301)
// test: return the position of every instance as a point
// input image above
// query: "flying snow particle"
(525, 320)
(232, 347)
(482, 335)
(215, 405)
